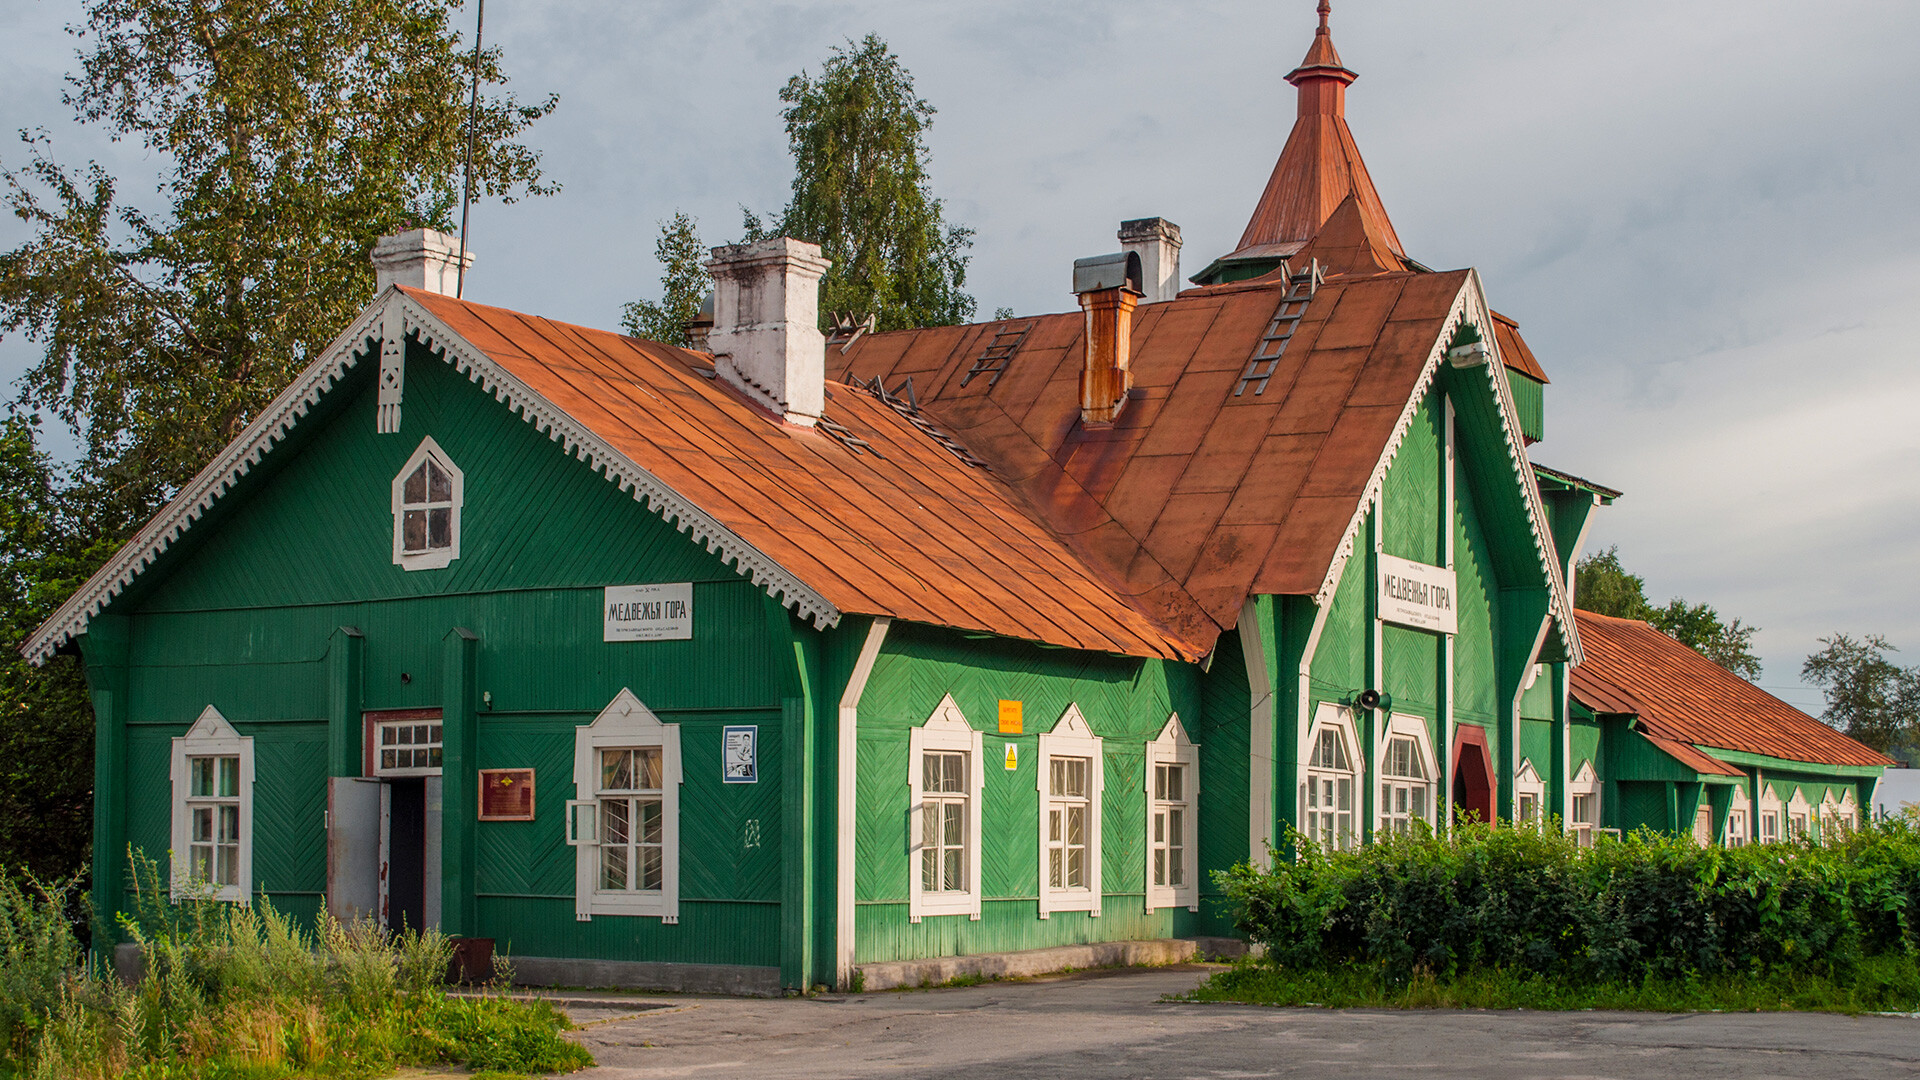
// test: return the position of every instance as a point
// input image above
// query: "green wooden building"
(795, 660)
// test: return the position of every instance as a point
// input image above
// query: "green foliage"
(290, 139)
(857, 134)
(46, 719)
(1869, 696)
(232, 990)
(1530, 902)
(1603, 586)
(684, 284)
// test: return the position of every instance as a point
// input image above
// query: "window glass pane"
(953, 869)
(1160, 828)
(955, 830)
(650, 821)
(1176, 872)
(930, 773)
(389, 760)
(1054, 868)
(433, 758)
(616, 770)
(1159, 781)
(389, 735)
(1420, 803)
(649, 765)
(200, 863)
(1077, 826)
(413, 530)
(439, 484)
(440, 528)
(613, 867)
(1057, 776)
(1053, 825)
(203, 824)
(929, 867)
(1159, 866)
(1346, 794)
(227, 865)
(953, 774)
(1077, 868)
(615, 821)
(651, 875)
(416, 488)
(1176, 783)
(229, 824)
(1175, 834)
(202, 775)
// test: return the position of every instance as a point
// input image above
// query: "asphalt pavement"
(1112, 1024)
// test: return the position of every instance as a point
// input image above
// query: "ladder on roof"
(998, 354)
(1286, 318)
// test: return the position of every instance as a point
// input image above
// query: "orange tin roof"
(1681, 696)
(1195, 497)
(903, 529)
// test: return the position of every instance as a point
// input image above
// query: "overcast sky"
(1702, 214)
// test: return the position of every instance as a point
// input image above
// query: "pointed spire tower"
(1319, 169)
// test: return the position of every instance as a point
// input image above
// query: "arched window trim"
(211, 736)
(1340, 720)
(1071, 737)
(1586, 784)
(1173, 747)
(432, 558)
(1404, 725)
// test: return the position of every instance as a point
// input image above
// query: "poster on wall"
(1417, 595)
(740, 754)
(649, 612)
(506, 794)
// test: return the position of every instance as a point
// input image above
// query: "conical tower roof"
(1321, 165)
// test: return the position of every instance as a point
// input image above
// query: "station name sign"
(1417, 595)
(649, 612)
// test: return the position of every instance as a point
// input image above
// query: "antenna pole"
(473, 110)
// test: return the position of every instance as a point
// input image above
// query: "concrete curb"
(933, 971)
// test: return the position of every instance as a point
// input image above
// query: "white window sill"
(652, 905)
(948, 903)
(1072, 900)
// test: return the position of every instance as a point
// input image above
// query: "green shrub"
(38, 954)
(1647, 906)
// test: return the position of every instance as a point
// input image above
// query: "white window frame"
(1071, 737)
(1340, 720)
(946, 730)
(1772, 812)
(1403, 725)
(1838, 817)
(626, 723)
(1799, 808)
(1586, 785)
(379, 744)
(1528, 785)
(210, 736)
(433, 558)
(1173, 747)
(1738, 832)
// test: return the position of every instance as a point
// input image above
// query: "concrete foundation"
(646, 975)
(936, 970)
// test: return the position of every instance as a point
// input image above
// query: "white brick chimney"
(766, 337)
(1157, 242)
(419, 259)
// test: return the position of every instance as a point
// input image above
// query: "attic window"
(426, 510)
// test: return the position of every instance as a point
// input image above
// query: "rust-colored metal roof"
(1195, 497)
(1352, 242)
(1692, 757)
(1321, 164)
(1682, 696)
(1513, 348)
(907, 530)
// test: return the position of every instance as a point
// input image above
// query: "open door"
(353, 848)
(1472, 773)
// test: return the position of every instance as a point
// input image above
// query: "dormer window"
(426, 510)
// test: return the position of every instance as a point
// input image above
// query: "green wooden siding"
(1530, 398)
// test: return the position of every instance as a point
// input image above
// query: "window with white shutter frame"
(624, 820)
(427, 496)
(212, 828)
(1173, 809)
(1330, 789)
(1072, 776)
(1583, 813)
(945, 778)
(1408, 787)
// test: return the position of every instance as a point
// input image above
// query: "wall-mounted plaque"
(649, 612)
(506, 794)
(1417, 595)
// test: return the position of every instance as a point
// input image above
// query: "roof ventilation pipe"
(419, 259)
(1108, 287)
(766, 337)
(1157, 242)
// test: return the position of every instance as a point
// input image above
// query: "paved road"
(1112, 1025)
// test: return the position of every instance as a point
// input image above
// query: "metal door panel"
(353, 847)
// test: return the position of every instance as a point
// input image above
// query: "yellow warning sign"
(1010, 719)
(1013, 756)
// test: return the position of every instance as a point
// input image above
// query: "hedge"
(1623, 910)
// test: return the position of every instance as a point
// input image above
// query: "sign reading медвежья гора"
(649, 612)
(1417, 595)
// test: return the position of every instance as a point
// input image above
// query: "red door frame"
(1472, 767)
